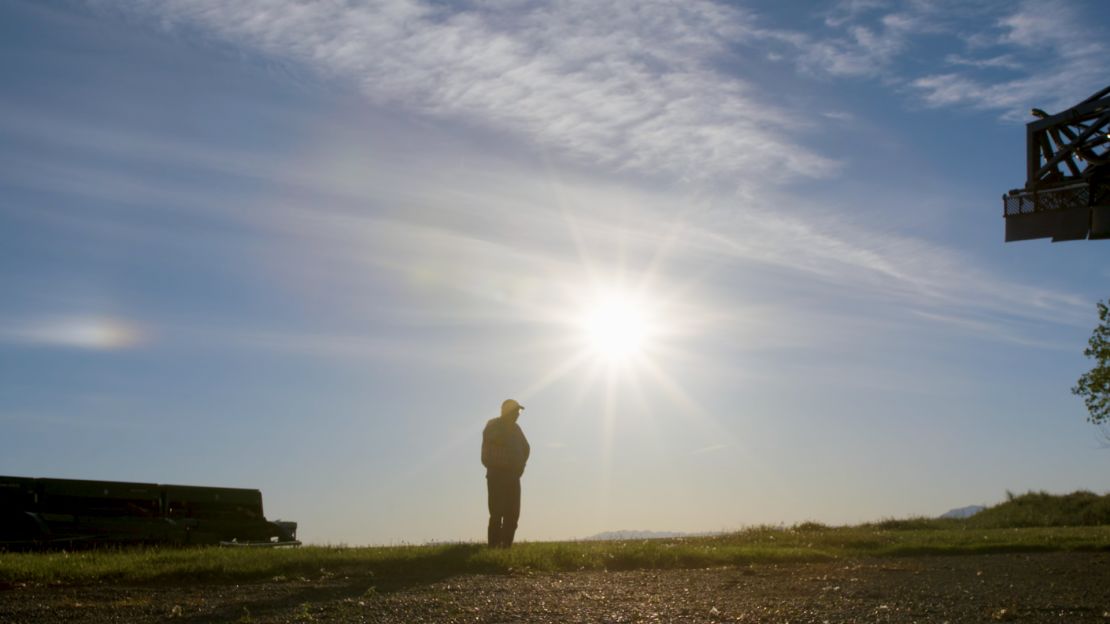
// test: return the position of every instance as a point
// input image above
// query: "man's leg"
(512, 511)
(496, 513)
(493, 532)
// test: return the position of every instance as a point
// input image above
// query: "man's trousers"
(504, 507)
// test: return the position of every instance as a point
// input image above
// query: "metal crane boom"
(1067, 187)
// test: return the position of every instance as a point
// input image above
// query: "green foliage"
(1041, 509)
(1094, 385)
(811, 526)
(919, 523)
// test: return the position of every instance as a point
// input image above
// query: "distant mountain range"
(963, 512)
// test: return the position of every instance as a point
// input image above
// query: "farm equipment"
(1067, 187)
(73, 513)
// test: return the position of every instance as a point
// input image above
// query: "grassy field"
(806, 542)
(1032, 522)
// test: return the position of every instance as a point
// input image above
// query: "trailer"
(38, 513)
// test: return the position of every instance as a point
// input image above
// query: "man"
(505, 450)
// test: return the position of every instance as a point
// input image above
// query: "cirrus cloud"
(632, 86)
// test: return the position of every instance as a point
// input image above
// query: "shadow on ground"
(265, 599)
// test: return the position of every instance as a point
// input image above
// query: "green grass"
(809, 542)
(1032, 522)
(1039, 509)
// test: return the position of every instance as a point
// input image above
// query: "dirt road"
(1049, 587)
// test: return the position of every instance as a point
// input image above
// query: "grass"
(1031, 522)
(807, 542)
(1039, 509)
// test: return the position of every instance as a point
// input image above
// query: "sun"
(617, 326)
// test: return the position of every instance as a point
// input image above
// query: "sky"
(741, 262)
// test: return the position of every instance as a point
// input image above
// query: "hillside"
(1041, 509)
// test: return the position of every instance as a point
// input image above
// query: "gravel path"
(1050, 587)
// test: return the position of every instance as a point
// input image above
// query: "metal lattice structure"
(1067, 185)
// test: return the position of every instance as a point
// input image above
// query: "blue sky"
(310, 248)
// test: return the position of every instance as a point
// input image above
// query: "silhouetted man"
(505, 450)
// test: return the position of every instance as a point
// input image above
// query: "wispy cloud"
(863, 50)
(863, 39)
(1052, 25)
(629, 85)
(1063, 60)
(1002, 61)
(999, 57)
(914, 273)
(850, 10)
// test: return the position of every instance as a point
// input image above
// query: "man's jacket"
(504, 447)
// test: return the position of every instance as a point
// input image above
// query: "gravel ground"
(1049, 587)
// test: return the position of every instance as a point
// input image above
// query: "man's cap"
(510, 404)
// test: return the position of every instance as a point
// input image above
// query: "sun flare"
(617, 327)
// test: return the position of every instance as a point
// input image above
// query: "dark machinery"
(1067, 185)
(72, 513)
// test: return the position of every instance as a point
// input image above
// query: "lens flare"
(94, 333)
(617, 327)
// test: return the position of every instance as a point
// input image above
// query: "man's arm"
(487, 450)
(526, 450)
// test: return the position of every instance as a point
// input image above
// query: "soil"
(1043, 587)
